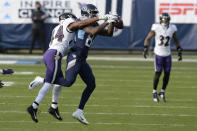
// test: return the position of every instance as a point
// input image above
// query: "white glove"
(112, 19)
(104, 17)
(115, 13)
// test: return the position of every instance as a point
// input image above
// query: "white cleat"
(36, 82)
(78, 114)
(155, 97)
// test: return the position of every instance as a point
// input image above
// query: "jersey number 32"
(166, 39)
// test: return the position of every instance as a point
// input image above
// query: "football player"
(76, 59)
(62, 36)
(163, 33)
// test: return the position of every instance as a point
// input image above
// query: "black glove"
(145, 53)
(1, 84)
(179, 49)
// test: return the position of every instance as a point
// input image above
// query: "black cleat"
(1, 84)
(162, 95)
(55, 113)
(32, 112)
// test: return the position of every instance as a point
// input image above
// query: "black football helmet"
(89, 10)
(164, 19)
(66, 16)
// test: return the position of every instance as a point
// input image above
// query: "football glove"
(112, 19)
(104, 17)
(145, 53)
(179, 49)
(1, 84)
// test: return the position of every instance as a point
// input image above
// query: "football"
(119, 24)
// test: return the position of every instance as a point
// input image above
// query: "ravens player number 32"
(163, 33)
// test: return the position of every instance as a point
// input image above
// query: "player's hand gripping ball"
(119, 23)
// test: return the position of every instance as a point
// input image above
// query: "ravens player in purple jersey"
(163, 33)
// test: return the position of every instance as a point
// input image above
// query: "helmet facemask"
(64, 16)
(165, 20)
(89, 11)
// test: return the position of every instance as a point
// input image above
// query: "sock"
(54, 105)
(165, 80)
(156, 80)
(79, 110)
(56, 95)
(35, 105)
(85, 96)
(162, 90)
(42, 93)
(41, 80)
(154, 91)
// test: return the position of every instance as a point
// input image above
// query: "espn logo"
(178, 8)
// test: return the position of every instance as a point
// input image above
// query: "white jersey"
(162, 39)
(62, 36)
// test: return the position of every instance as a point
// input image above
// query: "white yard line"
(102, 123)
(133, 85)
(97, 58)
(23, 73)
(8, 83)
(122, 106)
(139, 67)
(105, 113)
(115, 91)
(133, 59)
(105, 98)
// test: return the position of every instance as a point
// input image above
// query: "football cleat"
(1, 84)
(78, 114)
(36, 82)
(32, 113)
(155, 97)
(162, 95)
(55, 113)
(7, 71)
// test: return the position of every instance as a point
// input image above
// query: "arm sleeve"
(67, 22)
(153, 28)
(174, 28)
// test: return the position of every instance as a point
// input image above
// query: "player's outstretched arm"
(113, 19)
(178, 46)
(81, 24)
(109, 32)
(95, 30)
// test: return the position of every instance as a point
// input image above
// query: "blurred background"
(138, 16)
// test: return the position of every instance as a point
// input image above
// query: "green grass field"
(122, 100)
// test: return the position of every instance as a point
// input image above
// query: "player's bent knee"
(69, 83)
(92, 84)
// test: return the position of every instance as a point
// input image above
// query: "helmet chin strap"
(83, 17)
(165, 25)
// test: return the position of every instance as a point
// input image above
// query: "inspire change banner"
(19, 11)
(181, 11)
